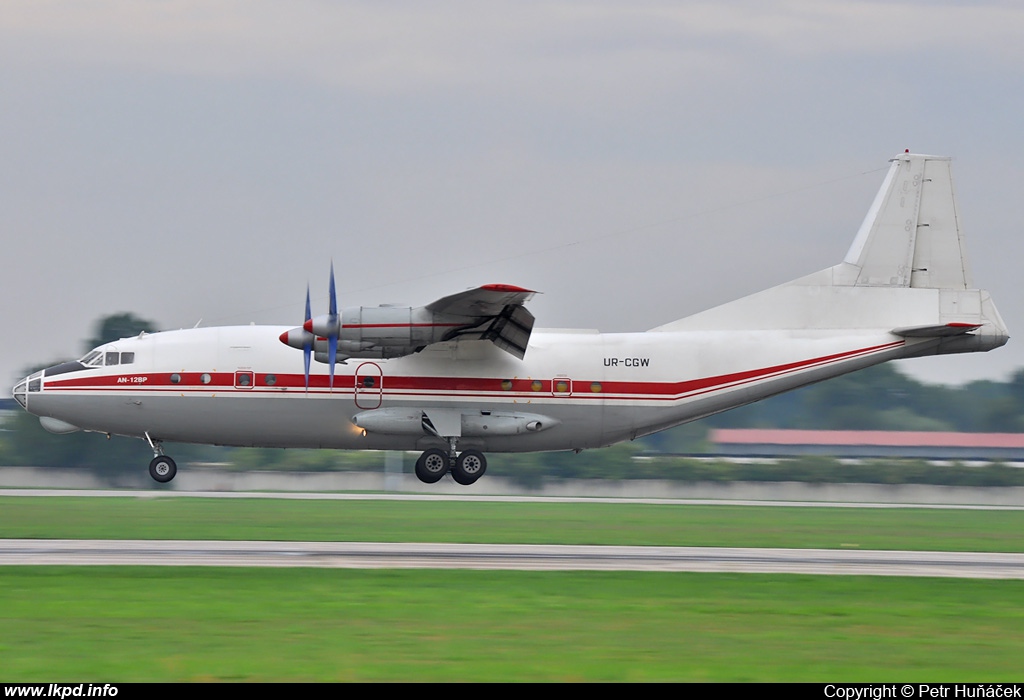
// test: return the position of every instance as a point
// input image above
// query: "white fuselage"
(240, 386)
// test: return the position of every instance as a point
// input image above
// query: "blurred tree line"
(878, 398)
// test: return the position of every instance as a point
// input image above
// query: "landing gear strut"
(162, 468)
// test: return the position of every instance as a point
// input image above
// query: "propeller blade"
(332, 348)
(307, 347)
(334, 296)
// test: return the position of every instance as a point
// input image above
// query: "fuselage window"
(175, 378)
(270, 380)
(205, 378)
(244, 379)
(127, 358)
(111, 359)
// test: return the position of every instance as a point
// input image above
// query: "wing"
(493, 312)
(488, 300)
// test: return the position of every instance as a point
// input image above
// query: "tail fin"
(906, 270)
(911, 236)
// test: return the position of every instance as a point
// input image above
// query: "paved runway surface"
(518, 557)
(485, 556)
(321, 496)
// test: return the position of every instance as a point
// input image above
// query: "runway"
(330, 496)
(520, 557)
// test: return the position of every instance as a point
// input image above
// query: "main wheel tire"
(432, 465)
(162, 469)
(469, 467)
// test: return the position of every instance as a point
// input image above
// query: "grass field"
(111, 624)
(156, 624)
(526, 523)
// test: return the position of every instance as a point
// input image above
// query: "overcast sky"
(636, 162)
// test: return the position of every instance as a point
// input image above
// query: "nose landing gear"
(162, 468)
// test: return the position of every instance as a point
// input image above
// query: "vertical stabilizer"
(911, 236)
(906, 274)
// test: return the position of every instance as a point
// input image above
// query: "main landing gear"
(465, 468)
(162, 468)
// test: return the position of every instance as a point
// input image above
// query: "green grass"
(165, 624)
(558, 523)
(103, 624)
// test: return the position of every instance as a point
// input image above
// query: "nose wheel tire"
(162, 469)
(469, 467)
(432, 465)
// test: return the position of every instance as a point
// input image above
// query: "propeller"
(328, 327)
(322, 327)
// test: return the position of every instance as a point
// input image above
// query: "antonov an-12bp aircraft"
(468, 374)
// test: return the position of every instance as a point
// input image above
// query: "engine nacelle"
(390, 326)
(492, 312)
(375, 331)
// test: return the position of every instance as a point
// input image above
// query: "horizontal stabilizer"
(940, 331)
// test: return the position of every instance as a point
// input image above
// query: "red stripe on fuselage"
(478, 387)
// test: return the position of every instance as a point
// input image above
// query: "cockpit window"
(99, 358)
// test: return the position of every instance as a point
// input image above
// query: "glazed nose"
(30, 384)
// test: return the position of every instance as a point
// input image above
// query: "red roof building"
(868, 443)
